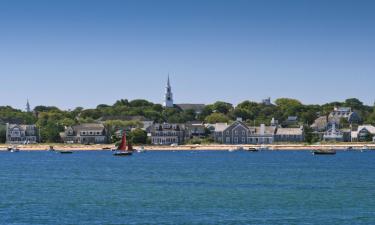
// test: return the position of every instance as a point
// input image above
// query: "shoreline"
(213, 147)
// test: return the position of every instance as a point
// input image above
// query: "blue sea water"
(187, 188)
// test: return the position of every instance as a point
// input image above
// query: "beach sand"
(216, 147)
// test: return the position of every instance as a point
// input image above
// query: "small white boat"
(263, 148)
(364, 148)
(141, 150)
(234, 149)
(13, 149)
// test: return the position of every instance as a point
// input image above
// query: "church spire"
(28, 108)
(168, 98)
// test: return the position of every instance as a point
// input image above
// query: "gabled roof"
(370, 128)
(195, 107)
(219, 127)
(238, 123)
(289, 131)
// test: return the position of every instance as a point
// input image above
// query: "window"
(243, 140)
(227, 132)
(243, 132)
(235, 132)
(227, 140)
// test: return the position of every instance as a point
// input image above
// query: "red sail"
(123, 144)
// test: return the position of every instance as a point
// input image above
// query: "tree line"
(51, 120)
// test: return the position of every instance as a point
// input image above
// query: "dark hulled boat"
(124, 149)
(65, 152)
(253, 150)
(325, 152)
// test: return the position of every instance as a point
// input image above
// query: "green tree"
(217, 118)
(2, 133)
(138, 136)
(222, 107)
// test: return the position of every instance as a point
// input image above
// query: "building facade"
(347, 113)
(168, 133)
(363, 133)
(89, 133)
(333, 134)
(21, 134)
(289, 135)
(239, 133)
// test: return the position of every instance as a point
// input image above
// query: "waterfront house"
(217, 130)
(21, 134)
(347, 113)
(88, 133)
(195, 129)
(168, 133)
(289, 135)
(363, 133)
(239, 133)
(333, 134)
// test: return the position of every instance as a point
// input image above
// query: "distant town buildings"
(21, 134)
(89, 133)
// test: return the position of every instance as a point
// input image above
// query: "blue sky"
(83, 53)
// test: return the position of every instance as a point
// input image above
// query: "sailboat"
(125, 149)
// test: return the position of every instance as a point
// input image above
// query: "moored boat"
(13, 149)
(234, 149)
(324, 152)
(124, 149)
(364, 148)
(65, 152)
(141, 150)
(252, 150)
(263, 148)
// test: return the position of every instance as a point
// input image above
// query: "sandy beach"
(213, 147)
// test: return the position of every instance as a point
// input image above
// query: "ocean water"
(187, 188)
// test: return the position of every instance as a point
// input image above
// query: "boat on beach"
(124, 149)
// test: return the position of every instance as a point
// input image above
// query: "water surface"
(213, 187)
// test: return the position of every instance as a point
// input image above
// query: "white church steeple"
(168, 100)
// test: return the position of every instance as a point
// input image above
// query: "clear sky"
(72, 53)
